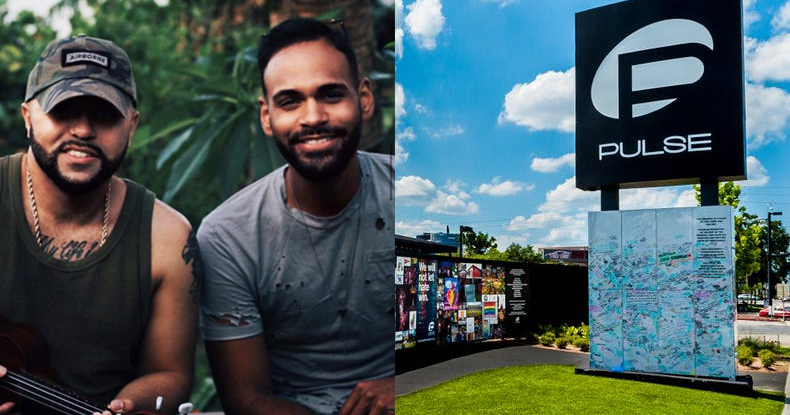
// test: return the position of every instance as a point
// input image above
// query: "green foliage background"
(195, 63)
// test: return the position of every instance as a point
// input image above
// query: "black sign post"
(659, 95)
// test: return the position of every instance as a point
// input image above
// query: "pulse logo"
(659, 93)
(632, 63)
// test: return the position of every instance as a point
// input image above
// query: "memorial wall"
(662, 291)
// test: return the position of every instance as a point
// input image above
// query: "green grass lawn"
(557, 390)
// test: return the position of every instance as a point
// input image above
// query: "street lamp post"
(768, 262)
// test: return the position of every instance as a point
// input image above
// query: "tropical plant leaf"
(136, 144)
(234, 157)
(173, 147)
(185, 167)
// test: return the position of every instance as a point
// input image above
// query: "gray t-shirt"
(318, 289)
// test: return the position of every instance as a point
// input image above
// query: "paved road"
(768, 330)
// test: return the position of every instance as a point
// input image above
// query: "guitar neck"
(51, 395)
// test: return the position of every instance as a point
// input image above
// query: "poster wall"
(662, 291)
(406, 270)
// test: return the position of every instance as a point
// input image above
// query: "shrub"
(571, 332)
(745, 354)
(767, 357)
(563, 342)
(582, 343)
(584, 331)
(547, 339)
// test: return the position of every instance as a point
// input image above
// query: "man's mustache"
(296, 137)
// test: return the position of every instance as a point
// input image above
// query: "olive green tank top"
(93, 311)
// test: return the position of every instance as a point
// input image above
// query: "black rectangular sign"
(516, 301)
(659, 93)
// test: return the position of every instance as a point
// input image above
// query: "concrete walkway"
(422, 378)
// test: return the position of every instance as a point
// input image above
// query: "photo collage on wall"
(446, 302)
(493, 302)
(405, 302)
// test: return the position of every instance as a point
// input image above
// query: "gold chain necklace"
(34, 209)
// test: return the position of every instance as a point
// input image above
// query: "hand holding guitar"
(6, 407)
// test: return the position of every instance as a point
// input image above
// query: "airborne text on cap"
(73, 58)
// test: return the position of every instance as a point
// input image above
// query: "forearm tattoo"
(191, 255)
(67, 251)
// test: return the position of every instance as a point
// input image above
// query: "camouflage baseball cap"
(81, 66)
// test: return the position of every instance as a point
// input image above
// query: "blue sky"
(485, 119)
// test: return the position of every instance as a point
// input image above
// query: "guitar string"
(41, 391)
(59, 407)
(57, 390)
(53, 403)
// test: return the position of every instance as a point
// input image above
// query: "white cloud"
(502, 3)
(456, 186)
(767, 114)
(550, 165)
(496, 188)
(564, 212)
(503, 241)
(421, 108)
(450, 204)
(414, 189)
(443, 132)
(401, 155)
(567, 198)
(541, 220)
(406, 135)
(781, 19)
(399, 43)
(400, 101)
(425, 21)
(768, 60)
(686, 198)
(655, 198)
(416, 228)
(756, 173)
(749, 14)
(546, 103)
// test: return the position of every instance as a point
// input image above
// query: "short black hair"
(298, 30)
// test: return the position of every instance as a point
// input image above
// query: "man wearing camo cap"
(108, 274)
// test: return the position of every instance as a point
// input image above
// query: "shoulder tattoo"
(191, 256)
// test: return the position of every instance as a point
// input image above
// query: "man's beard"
(320, 166)
(49, 164)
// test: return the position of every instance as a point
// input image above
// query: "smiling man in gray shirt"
(297, 310)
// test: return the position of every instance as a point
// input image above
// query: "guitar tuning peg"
(184, 408)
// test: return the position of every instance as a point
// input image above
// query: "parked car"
(748, 297)
(778, 312)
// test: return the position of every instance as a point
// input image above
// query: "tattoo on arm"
(191, 255)
(67, 251)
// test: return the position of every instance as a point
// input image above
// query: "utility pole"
(768, 262)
